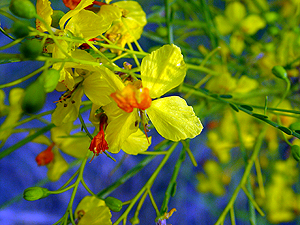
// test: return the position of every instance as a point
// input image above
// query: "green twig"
(25, 140)
(105, 192)
(172, 184)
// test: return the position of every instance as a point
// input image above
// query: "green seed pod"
(20, 29)
(295, 126)
(56, 16)
(113, 204)
(162, 31)
(30, 49)
(279, 72)
(296, 152)
(35, 193)
(134, 220)
(49, 79)
(22, 8)
(34, 98)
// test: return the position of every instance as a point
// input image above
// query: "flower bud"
(20, 29)
(35, 193)
(56, 16)
(296, 152)
(113, 204)
(30, 49)
(279, 72)
(49, 79)
(34, 98)
(22, 8)
(134, 220)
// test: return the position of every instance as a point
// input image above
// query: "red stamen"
(46, 156)
(99, 144)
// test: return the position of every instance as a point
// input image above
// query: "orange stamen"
(46, 156)
(132, 97)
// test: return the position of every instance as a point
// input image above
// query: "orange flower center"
(45, 157)
(99, 144)
(132, 97)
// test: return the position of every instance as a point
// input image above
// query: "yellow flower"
(161, 71)
(213, 180)
(14, 111)
(92, 211)
(93, 25)
(75, 146)
(129, 27)
(281, 201)
(95, 82)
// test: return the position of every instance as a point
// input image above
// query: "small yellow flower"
(129, 27)
(238, 23)
(14, 111)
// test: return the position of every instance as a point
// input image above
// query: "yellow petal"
(237, 43)
(75, 145)
(136, 143)
(3, 108)
(14, 114)
(98, 215)
(66, 111)
(57, 167)
(253, 23)
(246, 84)
(42, 139)
(44, 10)
(132, 10)
(91, 26)
(223, 25)
(174, 119)
(66, 77)
(95, 120)
(100, 84)
(88, 203)
(95, 211)
(109, 13)
(120, 126)
(235, 12)
(132, 23)
(163, 70)
(71, 13)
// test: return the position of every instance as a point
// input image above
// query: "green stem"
(32, 117)
(244, 179)
(17, 41)
(148, 184)
(78, 180)
(13, 83)
(25, 140)
(153, 202)
(202, 69)
(52, 35)
(189, 152)
(169, 21)
(141, 165)
(172, 184)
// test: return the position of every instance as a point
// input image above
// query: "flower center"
(99, 144)
(132, 97)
